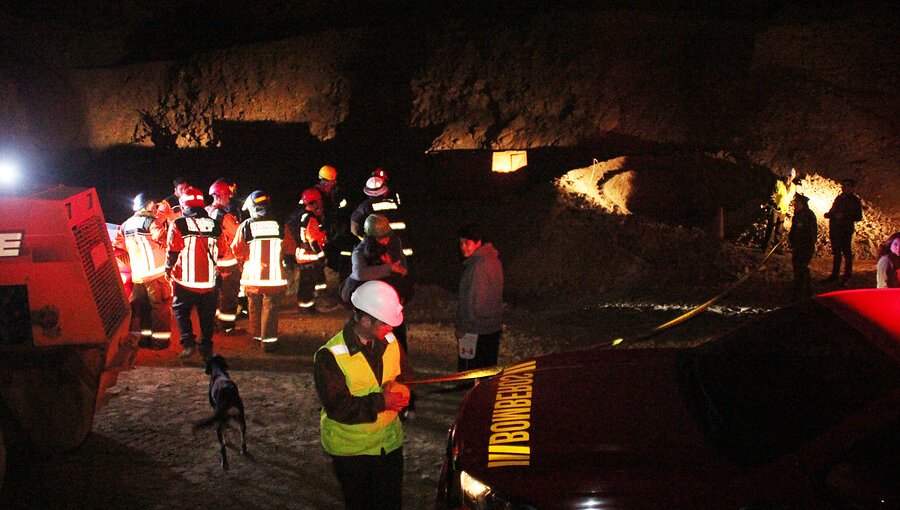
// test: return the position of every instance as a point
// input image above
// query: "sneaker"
(186, 353)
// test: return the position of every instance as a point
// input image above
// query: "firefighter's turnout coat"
(143, 238)
(387, 206)
(261, 245)
(196, 240)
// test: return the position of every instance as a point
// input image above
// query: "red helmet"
(310, 195)
(381, 173)
(192, 197)
(220, 188)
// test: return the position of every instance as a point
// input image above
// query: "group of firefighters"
(184, 254)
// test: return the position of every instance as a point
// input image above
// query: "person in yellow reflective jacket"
(356, 374)
(779, 204)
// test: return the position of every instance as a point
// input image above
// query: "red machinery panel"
(54, 247)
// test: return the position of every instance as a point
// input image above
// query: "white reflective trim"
(196, 285)
(268, 340)
(343, 203)
(398, 225)
(307, 304)
(227, 263)
(264, 283)
(227, 317)
(390, 338)
(300, 255)
(162, 336)
(383, 206)
(321, 255)
(321, 286)
(407, 251)
(146, 332)
(346, 253)
(339, 349)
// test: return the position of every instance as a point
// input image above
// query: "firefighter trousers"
(263, 323)
(228, 284)
(150, 308)
(205, 302)
(311, 283)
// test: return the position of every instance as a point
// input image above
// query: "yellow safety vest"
(383, 434)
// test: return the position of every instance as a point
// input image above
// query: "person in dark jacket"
(842, 217)
(802, 236)
(479, 314)
(379, 256)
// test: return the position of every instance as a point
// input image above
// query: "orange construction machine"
(64, 319)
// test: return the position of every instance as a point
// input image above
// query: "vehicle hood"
(629, 418)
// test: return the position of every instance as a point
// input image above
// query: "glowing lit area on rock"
(509, 161)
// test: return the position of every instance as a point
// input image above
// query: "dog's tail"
(220, 415)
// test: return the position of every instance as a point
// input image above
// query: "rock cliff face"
(810, 88)
(383, 83)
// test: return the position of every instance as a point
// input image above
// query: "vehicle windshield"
(767, 388)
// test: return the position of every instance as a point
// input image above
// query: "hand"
(398, 268)
(396, 396)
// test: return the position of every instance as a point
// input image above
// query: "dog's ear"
(222, 362)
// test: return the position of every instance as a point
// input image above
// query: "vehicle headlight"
(478, 496)
(475, 493)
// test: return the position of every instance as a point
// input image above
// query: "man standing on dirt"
(479, 314)
(195, 241)
(778, 208)
(804, 229)
(356, 376)
(845, 211)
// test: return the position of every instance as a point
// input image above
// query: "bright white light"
(9, 173)
(472, 488)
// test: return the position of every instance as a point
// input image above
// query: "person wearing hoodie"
(479, 314)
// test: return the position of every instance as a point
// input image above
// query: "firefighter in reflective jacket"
(261, 245)
(381, 201)
(356, 374)
(305, 225)
(195, 241)
(335, 221)
(228, 281)
(142, 240)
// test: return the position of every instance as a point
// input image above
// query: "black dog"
(226, 403)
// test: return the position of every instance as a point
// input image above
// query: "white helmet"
(375, 187)
(379, 300)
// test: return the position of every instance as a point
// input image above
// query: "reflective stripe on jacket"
(385, 433)
(145, 241)
(262, 254)
(197, 239)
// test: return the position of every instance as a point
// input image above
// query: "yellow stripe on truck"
(509, 441)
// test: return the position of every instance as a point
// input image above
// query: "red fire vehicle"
(63, 319)
(799, 409)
